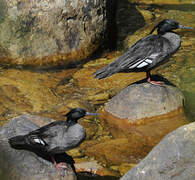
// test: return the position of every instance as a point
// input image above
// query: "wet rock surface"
(115, 152)
(49, 33)
(92, 167)
(22, 164)
(130, 142)
(173, 158)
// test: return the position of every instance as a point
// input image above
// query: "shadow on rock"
(123, 20)
(129, 20)
(89, 176)
(155, 78)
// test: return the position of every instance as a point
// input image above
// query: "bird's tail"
(17, 142)
(104, 72)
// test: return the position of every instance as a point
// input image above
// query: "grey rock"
(49, 31)
(22, 164)
(145, 100)
(172, 159)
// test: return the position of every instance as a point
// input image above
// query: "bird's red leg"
(59, 165)
(159, 83)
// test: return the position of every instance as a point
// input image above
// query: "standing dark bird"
(148, 52)
(56, 137)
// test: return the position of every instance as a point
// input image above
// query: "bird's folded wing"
(143, 53)
(44, 135)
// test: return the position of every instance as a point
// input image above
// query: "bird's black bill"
(184, 27)
(91, 114)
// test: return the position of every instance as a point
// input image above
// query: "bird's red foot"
(157, 83)
(60, 166)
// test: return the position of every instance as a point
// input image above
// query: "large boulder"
(145, 100)
(172, 159)
(51, 32)
(26, 165)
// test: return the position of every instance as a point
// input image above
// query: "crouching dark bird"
(54, 138)
(148, 52)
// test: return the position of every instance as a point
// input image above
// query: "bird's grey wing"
(146, 52)
(43, 136)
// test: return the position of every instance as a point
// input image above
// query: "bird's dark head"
(75, 114)
(167, 25)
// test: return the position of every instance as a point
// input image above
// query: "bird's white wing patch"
(149, 61)
(39, 141)
(135, 65)
(144, 62)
